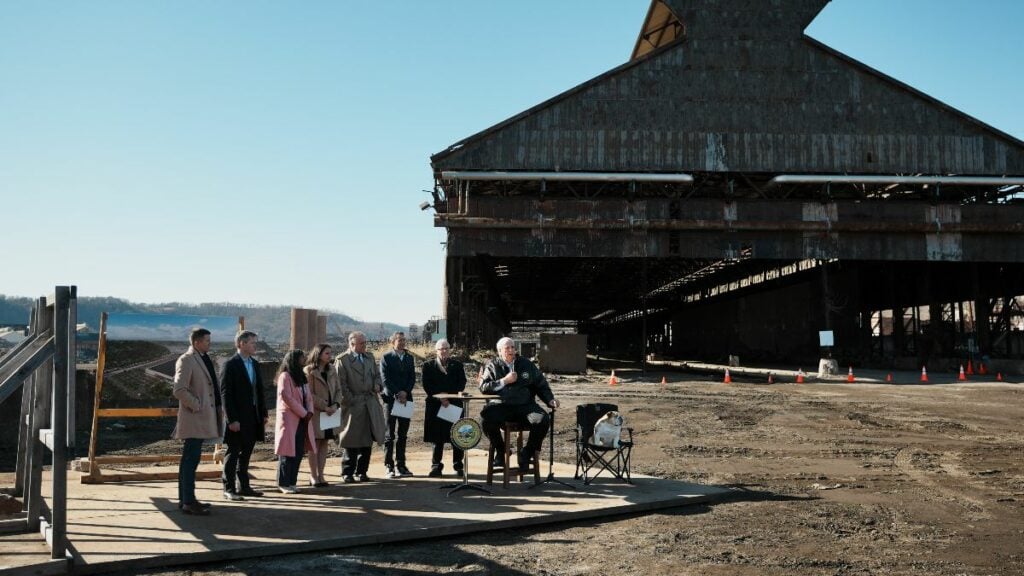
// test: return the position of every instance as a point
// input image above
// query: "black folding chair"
(602, 458)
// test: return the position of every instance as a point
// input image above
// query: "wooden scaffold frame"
(43, 367)
(92, 467)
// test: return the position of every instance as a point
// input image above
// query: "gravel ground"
(830, 479)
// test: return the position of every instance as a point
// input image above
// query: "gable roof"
(744, 89)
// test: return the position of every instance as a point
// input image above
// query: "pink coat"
(290, 413)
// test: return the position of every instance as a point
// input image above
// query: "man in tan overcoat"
(200, 416)
(362, 417)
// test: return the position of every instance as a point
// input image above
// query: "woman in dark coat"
(442, 374)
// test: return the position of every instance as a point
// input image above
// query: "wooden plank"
(143, 476)
(19, 368)
(45, 568)
(14, 525)
(40, 414)
(142, 459)
(63, 381)
(136, 412)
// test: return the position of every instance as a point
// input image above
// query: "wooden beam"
(136, 412)
(143, 476)
(140, 459)
(101, 362)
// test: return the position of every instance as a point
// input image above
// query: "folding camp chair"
(602, 458)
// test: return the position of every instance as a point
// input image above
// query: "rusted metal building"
(734, 188)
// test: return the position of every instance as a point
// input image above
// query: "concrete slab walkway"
(138, 525)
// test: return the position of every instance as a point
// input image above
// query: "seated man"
(517, 382)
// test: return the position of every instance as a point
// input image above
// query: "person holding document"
(323, 382)
(398, 373)
(293, 431)
(442, 374)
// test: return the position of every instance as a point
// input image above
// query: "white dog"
(607, 430)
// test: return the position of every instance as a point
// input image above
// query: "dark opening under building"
(735, 188)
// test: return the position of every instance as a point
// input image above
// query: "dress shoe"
(434, 472)
(348, 479)
(392, 473)
(233, 496)
(288, 489)
(195, 509)
(498, 462)
(321, 484)
(362, 478)
(458, 472)
(250, 492)
(201, 504)
(405, 471)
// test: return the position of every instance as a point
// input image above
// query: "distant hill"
(273, 323)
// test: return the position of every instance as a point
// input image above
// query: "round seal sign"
(466, 433)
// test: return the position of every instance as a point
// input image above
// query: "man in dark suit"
(518, 382)
(242, 390)
(398, 373)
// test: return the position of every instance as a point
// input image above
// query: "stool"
(507, 428)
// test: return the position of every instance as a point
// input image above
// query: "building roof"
(736, 86)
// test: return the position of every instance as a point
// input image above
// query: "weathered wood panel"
(745, 92)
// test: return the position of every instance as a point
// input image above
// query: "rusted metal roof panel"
(744, 91)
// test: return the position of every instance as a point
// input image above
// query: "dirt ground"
(829, 479)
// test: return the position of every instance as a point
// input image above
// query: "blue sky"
(276, 152)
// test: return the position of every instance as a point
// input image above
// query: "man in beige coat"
(200, 416)
(362, 417)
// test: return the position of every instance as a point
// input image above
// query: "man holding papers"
(442, 374)
(398, 372)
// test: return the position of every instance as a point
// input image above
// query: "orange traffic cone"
(849, 376)
(888, 377)
(981, 368)
(924, 374)
(999, 376)
(800, 376)
(663, 382)
(962, 377)
(970, 368)
(728, 378)
(613, 381)
(771, 380)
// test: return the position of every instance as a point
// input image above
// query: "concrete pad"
(136, 525)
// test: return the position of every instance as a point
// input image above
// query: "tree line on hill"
(273, 323)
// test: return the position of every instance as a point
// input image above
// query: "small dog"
(607, 430)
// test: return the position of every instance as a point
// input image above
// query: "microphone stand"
(551, 459)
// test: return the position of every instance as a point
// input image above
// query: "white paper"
(328, 422)
(402, 410)
(450, 413)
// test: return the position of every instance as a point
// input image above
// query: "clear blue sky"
(275, 152)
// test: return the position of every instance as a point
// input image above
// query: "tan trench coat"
(362, 416)
(198, 416)
(322, 390)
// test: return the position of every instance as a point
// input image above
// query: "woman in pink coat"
(293, 433)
